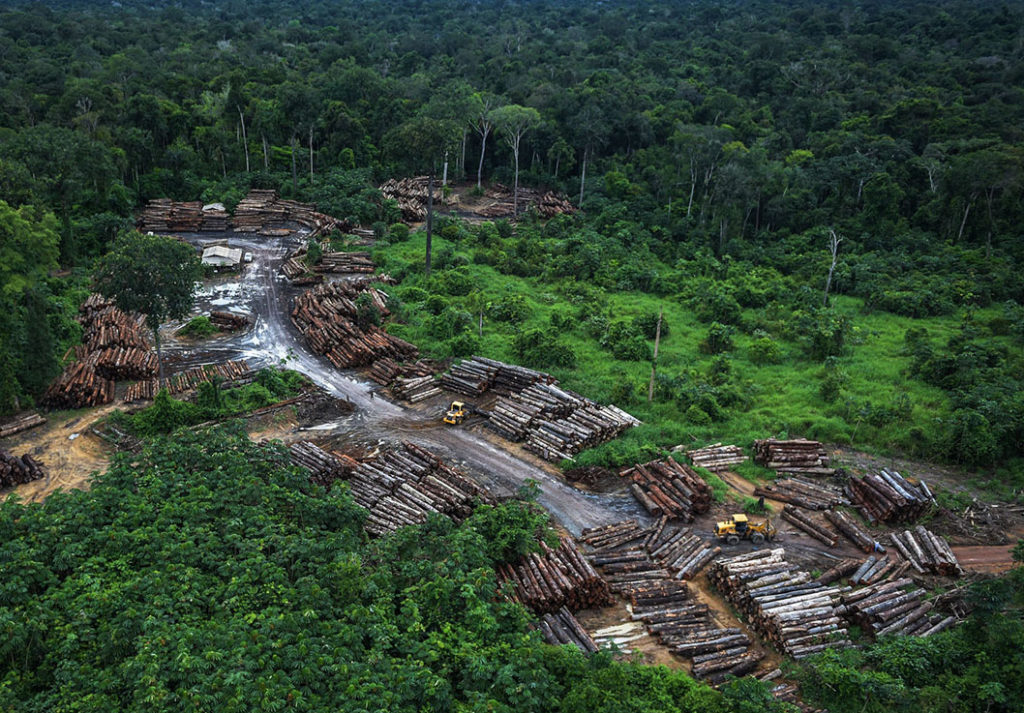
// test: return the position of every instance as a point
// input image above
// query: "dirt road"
(263, 293)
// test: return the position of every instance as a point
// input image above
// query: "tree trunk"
(462, 159)
(483, 148)
(310, 154)
(515, 184)
(963, 222)
(295, 177)
(558, 160)
(444, 173)
(693, 188)
(430, 217)
(833, 244)
(583, 176)
(159, 359)
(654, 362)
(245, 138)
(266, 153)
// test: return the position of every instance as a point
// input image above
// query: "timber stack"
(416, 388)
(15, 470)
(327, 316)
(345, 263)
(555, 578)
(927, 552)
(22, 423)
(324, 468)
(475, 375)
(78, 386)
(793, 457)
(592, 425)
(665, 487)
(514, 415)
(878, 569)
(851, 530)
(547, 204)
(889, 497)
(162, 215)
(889, 608)
(403, 486)
(563, 628)
(804, 493)
(657, 552)
(263, 212)
(797, 614)
(717, 457)
(844, 568)
(816, 528)
(228, 321)
(411, 196)
(232, 373)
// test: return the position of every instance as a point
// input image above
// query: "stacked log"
(229, 372)
(326, 315)
(403, 486)
(228, 321)
(121, 364)
(384, 371)
(562, 439)
(610, 537)
(796, 456)
(22, 423)
(547, 204)
(717, 457)
(342, 262)
(658, 552)
(843, 568)
(795, 613)
(563, 628)
(665, 487)
(927, 552)
(416, 389)
(411, 196)
(162, 215)
(294, 268)
(324, 468)
(890, 608)
(79, 386)
(878, 569)
(804, 493)
(853, 532)
(811, 525)
(263, 212)
(889, 497)
(471, 377)
(514, 415)
(15, 470)
(554, 579)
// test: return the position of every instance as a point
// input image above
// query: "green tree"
(150, 274)
(513, 121)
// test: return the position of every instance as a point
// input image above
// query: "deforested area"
(531, 356)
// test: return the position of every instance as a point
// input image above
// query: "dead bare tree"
(833, 245)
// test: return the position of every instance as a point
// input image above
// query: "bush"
(510, 308)
(716, 304)
(764, 350)
(541, 349)
(626, 342)
(367, 312)
(398, 233)
(648, 325)
(718, 340)
(198, 327)
(697, 416)
(464, 344)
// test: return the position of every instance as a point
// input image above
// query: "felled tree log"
(665, 487)
(889, 497)
(22, 423)
(804, 493)
(793, 456)
(15, 470)
(854, 532)
(717, 457)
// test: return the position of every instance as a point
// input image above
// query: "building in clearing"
(222, 256)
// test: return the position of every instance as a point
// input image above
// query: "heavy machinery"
(740, 528)
(457, 413)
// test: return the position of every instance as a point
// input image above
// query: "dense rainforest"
(821, 200)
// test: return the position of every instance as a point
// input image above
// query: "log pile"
(230, 372)
(514, 415)
(889, 497)
(878, 569)
(844, 568)
(402, 487)
(104, 325)
(658, 552)
(555, 578)
(341, 263)
(717, 457)
(927, 552)
(228, 321)
(667, 488)
(547, 204)
(562, 439)
(121, 364)
(563, 628)
(324, 468)
(804, 493)
(326, 315)
(411, 196)
(294, 268)
(471, 377)
(162, 215)
(797, 456)
(15, 471)
(385, 370)
(795, 613)
(22, 423)
(889, 608)
(810, 524)
(263, 212)
(851, 530)
(78, 386)
(416, 388)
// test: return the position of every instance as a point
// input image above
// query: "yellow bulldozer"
(739, 528)
(457, 413)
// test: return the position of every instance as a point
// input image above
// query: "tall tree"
(513, 121)
(150, 274)
(483, 103)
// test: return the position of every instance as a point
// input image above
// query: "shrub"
(716, 304)
(367, 313)
(626, 342)
(313, 252)
(648, 325)
(398, 232)
(464, 344)
(764, 350)
(198, 327)
(718, 340)
(696, 416)
(510, 308)
(541, 349)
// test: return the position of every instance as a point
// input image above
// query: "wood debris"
(22, 423)
(411, 196)
(15, 470)
(889, 497)
(327, 316)
(809, 494)
(797, 614)
(717, 457)
(555, 578)
(547, 203)
(229, 373)
(263, 212)
(796, 456)
(665, 487)
(563, 628)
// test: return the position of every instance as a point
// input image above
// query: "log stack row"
(796, 456)
(403, 486)
(717, 457)
(326, 315)
(162, 215)
(104, 325)
(233, 372)
(416, 388)
(345, 263)
(386, 370)
(547, 204)
(15, 470)
(877, 569)
(121, 364)
(852, 530)
(798, 615)
(263, 212)
(927, 552)
(78, 386)
(514, 415)
(324, 468)
(563, 628)
(810, 524)
(665, 487)
(589, 426)
(475, 375)
(228, 321)
(889, 497)
(630, 556)
(889, 608)
(411, 196)
(22, 423)
(809, 494)
(555, 578)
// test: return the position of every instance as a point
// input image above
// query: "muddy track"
(265, 294)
